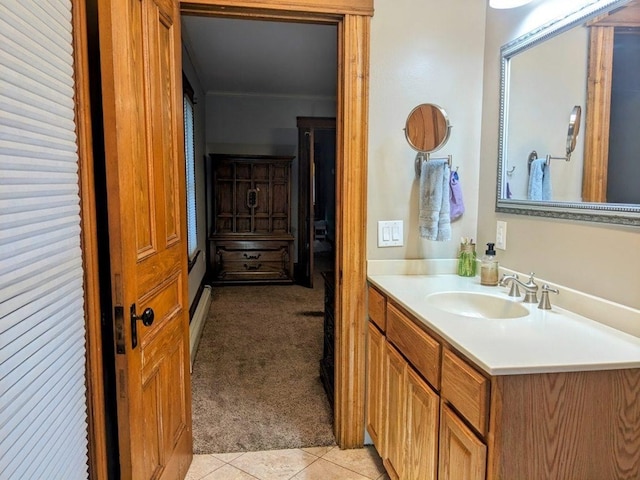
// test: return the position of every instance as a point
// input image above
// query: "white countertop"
(544, 341)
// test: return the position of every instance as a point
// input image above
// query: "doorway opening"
(251, 91)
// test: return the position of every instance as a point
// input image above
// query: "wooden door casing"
(141, 71)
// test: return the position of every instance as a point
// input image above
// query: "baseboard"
(197, 322)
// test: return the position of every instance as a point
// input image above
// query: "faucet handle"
(531, 275)
(545, 304)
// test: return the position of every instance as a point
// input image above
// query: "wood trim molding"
(340, 7)
(96, 420)
(596, 158)
(351, 198)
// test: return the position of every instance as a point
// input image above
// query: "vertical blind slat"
(43, 418)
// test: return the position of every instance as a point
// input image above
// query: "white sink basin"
(477, 305)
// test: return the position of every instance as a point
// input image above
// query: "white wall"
(598, 259)
(422, 52)
(199, 269)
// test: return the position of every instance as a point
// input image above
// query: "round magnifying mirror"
(574, 129)
(427, 128)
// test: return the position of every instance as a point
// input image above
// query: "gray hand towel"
(434, 222)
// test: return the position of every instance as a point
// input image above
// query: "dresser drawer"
(260, 259)
(377, 308)
(232, 254)
(420, 348)
(467, 390)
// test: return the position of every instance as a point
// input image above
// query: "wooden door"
(422, 429)
(142, 104)
(462, 455)
(307, 129)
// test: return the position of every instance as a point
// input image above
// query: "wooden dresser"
(250, 213)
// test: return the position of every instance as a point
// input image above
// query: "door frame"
(352, 19)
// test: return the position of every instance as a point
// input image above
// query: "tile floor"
(315, 463)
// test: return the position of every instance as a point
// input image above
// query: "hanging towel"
(434, 222)
(546, 182)
(536, 176)
(455, 197)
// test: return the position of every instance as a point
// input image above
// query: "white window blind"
(189, 154)
(43, 429)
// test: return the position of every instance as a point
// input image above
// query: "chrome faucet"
(514, 291)
(545, 304)
(530, 288)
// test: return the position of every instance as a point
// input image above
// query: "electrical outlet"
(390, 233)
(501, 235)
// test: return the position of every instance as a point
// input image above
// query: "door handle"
(147, 320)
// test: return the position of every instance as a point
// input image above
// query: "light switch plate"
(501, 235)
(390, 233)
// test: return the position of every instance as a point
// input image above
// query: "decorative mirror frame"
(622, 214)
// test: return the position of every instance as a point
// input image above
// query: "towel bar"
(421, 155)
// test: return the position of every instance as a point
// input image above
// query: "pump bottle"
(489, 267)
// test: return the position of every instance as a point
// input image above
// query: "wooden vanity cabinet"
(444, 418)
(417, 433)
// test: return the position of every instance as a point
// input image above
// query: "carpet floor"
(255, 380)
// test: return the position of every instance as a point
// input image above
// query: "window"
(189, 154)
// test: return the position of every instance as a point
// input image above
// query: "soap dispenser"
(489, 267)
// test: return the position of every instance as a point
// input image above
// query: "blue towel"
(434, 222)
(536, 175)
(546, 182)
(455, 197)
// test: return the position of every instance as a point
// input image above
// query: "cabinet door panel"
(422, 429)
(375, 387)
(462, 455)
(395, 374)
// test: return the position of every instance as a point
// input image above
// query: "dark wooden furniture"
(250, 236)
(327, 363)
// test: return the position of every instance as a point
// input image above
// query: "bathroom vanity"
(537, 395)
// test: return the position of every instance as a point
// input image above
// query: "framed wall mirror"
(588, 59)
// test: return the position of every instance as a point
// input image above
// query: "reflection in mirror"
(574, 130)
(427, 128)
(544, 74)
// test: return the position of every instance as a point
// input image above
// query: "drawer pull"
(252, 267)
(252, 257)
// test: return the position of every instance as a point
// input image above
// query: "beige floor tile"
(229, 472)
(274, 464)
(324, 470)
(364, 461)
(227, 457)
(318, 451)
(203, 465)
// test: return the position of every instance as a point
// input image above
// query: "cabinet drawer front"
(467, 390)
(377, 308)
(420, 348)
